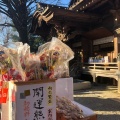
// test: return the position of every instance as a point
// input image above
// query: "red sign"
(4, 95)
(1, 83)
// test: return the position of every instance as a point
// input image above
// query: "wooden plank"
(19, 83)
(115, 63)
(104, 71)
(102, 67)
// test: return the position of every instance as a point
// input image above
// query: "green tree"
(14, 35)
(35, 42)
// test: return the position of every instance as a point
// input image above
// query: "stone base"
(81, 85)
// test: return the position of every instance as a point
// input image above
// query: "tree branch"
(4, 13)
(2, 4)
(3, 9)
(30, 3)
(13, 5)
(7, 25)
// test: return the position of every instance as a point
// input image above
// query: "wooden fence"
(111, 70)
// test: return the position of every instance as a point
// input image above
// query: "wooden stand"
(28, 100)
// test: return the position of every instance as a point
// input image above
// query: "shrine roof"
(83, 16)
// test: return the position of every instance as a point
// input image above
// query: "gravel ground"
(103, 100)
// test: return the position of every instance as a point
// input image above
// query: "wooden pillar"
(116, 55)
(118, 44)
(115, 47)
(87, 49)
(94, 78)
(118, 73)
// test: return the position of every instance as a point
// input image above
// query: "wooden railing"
(111, 70)
(101, 69)
(100, 66)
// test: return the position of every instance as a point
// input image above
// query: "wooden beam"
(76, 20)
(84, 5)
(117, 4)
(76, 24)
(73, 14)
(98, 5)
(75, 4)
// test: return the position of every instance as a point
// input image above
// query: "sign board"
(36, 101)
(106, 60)
(3, 92)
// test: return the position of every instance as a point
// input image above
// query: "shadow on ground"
(106, 108)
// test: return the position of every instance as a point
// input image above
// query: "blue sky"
(64, 3)
(5, 30)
